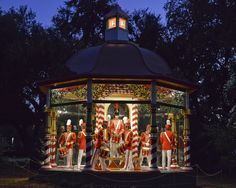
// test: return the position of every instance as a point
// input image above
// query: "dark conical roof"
(116, 11)
(121, 59)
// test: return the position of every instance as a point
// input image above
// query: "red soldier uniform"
(167, 140)
(99, 141)
(116, 131)
(128, 139)
(128, 145)
(82, 140)
(68, 139)
(81, 143)
(166, 145)
(145, 139)
(145, 145)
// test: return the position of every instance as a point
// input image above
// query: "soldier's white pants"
(80, 155)
(164, 154)
(69, 158)
(96, 158)
(113, 149)
(128, 160)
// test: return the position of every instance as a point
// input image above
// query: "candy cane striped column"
(187, 152)
(135, 143)
(101, 114)
(97, 115)
(134, 126)
(47, 146)
(53, 151)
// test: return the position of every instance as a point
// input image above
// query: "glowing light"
(111, 23)
(122, 23)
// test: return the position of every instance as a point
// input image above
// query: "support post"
(88, 160)
(186, 132)
(47, 138)
(174, 163)
(153, 137)
(53, 139)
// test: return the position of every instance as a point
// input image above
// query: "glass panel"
(121, 92)
(68, 142)
(122, 23)
(170, 96)
(116, 127)
(176, 118)
(111, 23)
(69, 94)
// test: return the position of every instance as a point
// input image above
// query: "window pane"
(111, 23)
(176, 118)
(63, 114)
(122, 23)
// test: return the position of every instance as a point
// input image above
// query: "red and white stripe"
(153, 140)
(47, 146)
(134, 126)
(53, 151)
(187, 165)
(99, 114)
(89, 153)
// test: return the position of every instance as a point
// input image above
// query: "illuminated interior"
(111, 23)
(69, 103)
(122, 23)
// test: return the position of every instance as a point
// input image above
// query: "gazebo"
(118, 75)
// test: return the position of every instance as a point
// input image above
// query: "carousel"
(109, 114)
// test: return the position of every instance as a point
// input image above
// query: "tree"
(29, 53)
(146, 29)
(81, 22)
(200, 48)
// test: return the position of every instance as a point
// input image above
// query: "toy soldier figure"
(167, 143)
(145, 145)
(128, 145)
(68, 139)
(116, 131)
(81, 142)
(99, 145)
(106, 133)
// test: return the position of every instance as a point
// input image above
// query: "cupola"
(116, 25)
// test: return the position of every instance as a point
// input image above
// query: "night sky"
(45, 9)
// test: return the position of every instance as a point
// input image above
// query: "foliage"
(202, 45)
(81, 22)
(29, 53)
